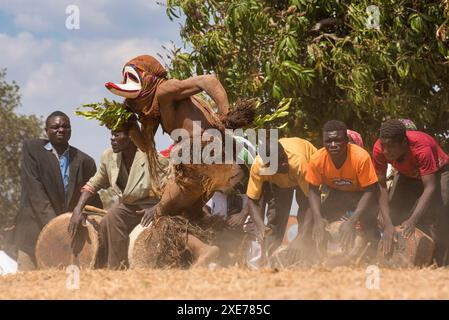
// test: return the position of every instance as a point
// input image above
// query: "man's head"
(393, 139)
(120, 140)
(58, 128)
(335, 138)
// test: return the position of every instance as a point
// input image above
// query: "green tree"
(333, 58)
(14, 129)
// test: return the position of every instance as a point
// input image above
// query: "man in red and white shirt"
(420, 195)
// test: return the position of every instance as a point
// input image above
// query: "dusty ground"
(233, 283)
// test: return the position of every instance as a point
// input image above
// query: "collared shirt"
(64, 164)
(133, 187)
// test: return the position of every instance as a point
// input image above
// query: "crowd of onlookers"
(341, 181)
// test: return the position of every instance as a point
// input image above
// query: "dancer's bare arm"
(175, 90)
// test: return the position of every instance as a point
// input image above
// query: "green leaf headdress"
(111, 114)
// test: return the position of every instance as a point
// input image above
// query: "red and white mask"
(130, 87)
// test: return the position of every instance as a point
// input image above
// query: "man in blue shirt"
(53, 173)
(64, 164)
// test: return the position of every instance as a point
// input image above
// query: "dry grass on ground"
(233, 283)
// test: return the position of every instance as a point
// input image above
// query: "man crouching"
(348, 172)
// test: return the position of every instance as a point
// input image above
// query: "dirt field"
(316, 283)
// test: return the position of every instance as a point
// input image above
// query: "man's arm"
(254, 193)
(99, 181)
(31, 181)
(77, 215)
(90, 172)
(424, 201)
(366, 200)
(175, 90)
(318, 220)
(387, 237)
(257, 214)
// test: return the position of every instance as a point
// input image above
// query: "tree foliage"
(329, 56)
(14, 129)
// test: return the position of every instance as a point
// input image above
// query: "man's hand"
(77, 217)
(408, 228)
(237, 220)
(318, 231)
(387, 239)
(347, 233)
(148, 215)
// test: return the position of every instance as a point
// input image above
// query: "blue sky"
(60, 69)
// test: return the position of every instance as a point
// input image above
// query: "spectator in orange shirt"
(347, 170)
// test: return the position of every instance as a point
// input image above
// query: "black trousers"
(279, 201)
(114, 232)
(338, 202)
(404, 196)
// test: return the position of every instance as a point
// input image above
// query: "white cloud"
(41, 82)
(24, 49)
(33, 22)
(37, 16)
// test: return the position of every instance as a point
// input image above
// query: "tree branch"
(323, 24)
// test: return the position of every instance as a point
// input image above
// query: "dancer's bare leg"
(203, 253)
(176, 200)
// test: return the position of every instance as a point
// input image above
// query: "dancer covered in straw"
(173, 104)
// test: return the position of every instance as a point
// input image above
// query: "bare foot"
(207, 255)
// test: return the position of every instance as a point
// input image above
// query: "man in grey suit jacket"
(124, 168)
(53, 173)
